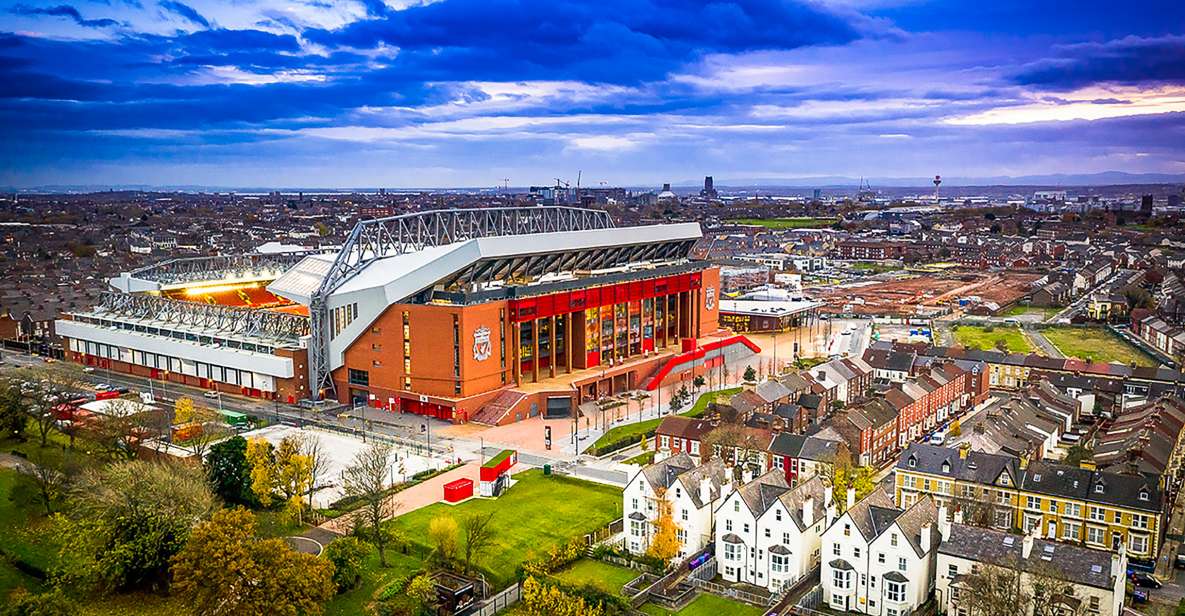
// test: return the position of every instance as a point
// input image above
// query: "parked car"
(1147, 580)
(1180, 561)
(212, 394)
(1139, 596)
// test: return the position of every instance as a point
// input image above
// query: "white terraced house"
(878, 559)
(768, 534)
(693, 491)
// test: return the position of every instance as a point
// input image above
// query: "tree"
(126, 424)
(12, 410)
(347, 555)
(293, 474)
(205, 426)
(226, 569)
(750, 374)
(422, 593)
(366, 479)
(665, 543)
(478, 535)
(992, 591)
(725, 438)
(698, 381)
(41, 388)
(261, 458)
(955, 429)
(319, 461)
(442, 533)
(129, 518)
(50, 482)
(229, 472)
(1077, 454)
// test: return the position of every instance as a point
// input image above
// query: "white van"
(938, 438)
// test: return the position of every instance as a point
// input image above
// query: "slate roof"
(814, 488)
(761, 493)
(872, 515)
(1076, 564)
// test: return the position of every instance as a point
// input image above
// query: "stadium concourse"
(489, 315)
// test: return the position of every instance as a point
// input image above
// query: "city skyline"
(466, 93)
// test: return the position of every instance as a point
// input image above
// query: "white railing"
(499, 602)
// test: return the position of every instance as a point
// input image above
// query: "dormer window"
(946, 466)
(1098, 488)
(913, 461)
(1143, 494)
(1037, 478)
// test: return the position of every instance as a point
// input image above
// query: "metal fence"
(498, 602)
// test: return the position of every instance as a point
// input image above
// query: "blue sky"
(468, 92)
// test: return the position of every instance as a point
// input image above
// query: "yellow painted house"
(1068, 503)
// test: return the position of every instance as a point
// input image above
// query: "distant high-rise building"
(709, 191)
(667, 194)
(1146, 204)
(818, 195)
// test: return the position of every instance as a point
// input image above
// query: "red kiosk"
(495, 473)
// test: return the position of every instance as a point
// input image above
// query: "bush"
(23, 603)
(346, 554)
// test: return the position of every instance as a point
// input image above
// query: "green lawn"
(707, 605)
(875, 268)
(277, 524)
(1095, 344)
(1018, 310)
(374, 578)
(977, 337)
(22, 527)
(635, 431)
(600, 575)
(535, 515)
(642, 459)
(787, 223)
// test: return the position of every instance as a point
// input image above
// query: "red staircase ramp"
(496, 410)
(652, 382)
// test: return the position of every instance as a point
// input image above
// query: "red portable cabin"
(494, 469)
(457, 491)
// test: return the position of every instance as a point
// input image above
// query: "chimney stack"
(1119, 562)
(851, 498)
(746, 474)
(943, 523)
(927, 531)
(705, 490)
(808, 511)
(1026, 546)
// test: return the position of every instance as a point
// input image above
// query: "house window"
(1139, 544)
(728, 525)
(952, 571)
(732, 551)
(894, 591)
(736, 505)
(847, 530)
(778, 563)
(1097, 514)
(901, 564)
(1096, 535)
(856, 552)
(880, 558)
(893, 539)
(835, 549)
(840, 579)
(1139, 521)
(684, 515)
(359, 377)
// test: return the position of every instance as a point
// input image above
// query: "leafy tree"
(750, 374)
(130, 518)
(125, 425)
(1077, 454)
(665, 544)
(347, 555)
(225, 568)
(423, 593)
(261, 458)
(229, 472)
(478, 535)
(956, 428)
(293, 474)
(722, 440)
(442, 533)
(12, 410)
(698, 381)
(366, 479)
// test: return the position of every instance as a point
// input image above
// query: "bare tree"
(319, 461)
(992, 591)
(125, 425)
(478, 535)
(41, 389)
(51, 483)
(366, 479)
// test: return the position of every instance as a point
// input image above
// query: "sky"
(476, 93)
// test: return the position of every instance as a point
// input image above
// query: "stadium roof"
(402, 276)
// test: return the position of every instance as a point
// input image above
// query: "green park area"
(1095, 344)
(537, 514)
(1019, 310)
(707, 605)
(605, 577)
(787, 223)
(992, 337)
(624, 436)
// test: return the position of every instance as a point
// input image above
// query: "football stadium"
(489, 315)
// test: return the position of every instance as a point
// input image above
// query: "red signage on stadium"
(543, 306)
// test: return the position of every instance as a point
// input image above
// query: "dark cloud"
(185, 12)
(1129, 60)
(614, 41)
(64, 10)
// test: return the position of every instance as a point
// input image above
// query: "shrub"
(346, 554)
(23, 603)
